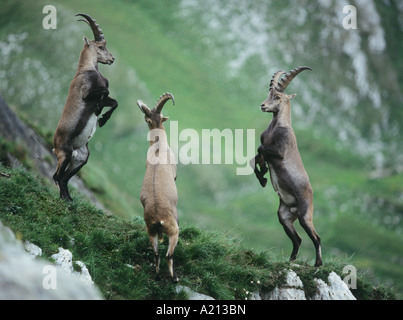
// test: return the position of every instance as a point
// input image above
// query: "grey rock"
(24, 278)
(32, 249)
(335, 290)
(293, 289)
(64, 259)
(192, 295)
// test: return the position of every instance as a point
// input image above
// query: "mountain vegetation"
(119, 258)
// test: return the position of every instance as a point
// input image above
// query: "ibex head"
(154, 117)
(98, 45)
(277, 97)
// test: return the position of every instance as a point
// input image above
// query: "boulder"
(335, 290)
(293, 289)
(192, 295)
(24, 278)
(32, 249)
(64, 259)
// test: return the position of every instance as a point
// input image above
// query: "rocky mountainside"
(73, 285)
(15, 131)
(30, 282)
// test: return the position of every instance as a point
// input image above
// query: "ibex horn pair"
(158, 106)
(285, 81)
(98, 35)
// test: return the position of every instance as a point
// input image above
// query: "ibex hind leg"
(173, 241)
(63, 161)
(79, 158)
(154, 243)
(305, 218)
(287, 216)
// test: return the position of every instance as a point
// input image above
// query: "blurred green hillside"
(217, 58)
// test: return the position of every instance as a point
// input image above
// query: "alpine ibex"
(159, 195)
(288, 176)
(88, 95)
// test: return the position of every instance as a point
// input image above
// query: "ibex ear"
(291, 96)
(87, 42)
(164, 119)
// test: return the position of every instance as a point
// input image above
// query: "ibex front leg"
(107, 102)
(259, 160)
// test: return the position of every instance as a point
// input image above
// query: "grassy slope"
(209, 262)
(145, 38)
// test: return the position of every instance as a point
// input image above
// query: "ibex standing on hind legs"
(159, 195)
(288, 176)
(88, 95)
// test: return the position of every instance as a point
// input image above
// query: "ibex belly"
(87, 133)
(287, 197)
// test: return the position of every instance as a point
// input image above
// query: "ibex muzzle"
(98, 45)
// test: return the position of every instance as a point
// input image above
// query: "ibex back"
(288, 176)
(88, 95)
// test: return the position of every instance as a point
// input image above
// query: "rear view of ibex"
(159, 195)
(88, 95)
(288, 176)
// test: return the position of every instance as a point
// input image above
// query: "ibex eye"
(277, 97)
(101, 48)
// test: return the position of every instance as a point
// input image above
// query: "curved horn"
(162, 100)
(143, 107)
(288, 78)
(274, 79)
(98, 35)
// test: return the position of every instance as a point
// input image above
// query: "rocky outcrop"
(335, 290)
(293, 289)
(25, 278)
(14, 130)
(190, 294)
(64, 259)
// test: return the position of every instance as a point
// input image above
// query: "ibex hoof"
(318, 264)
(102, 122)
(263, 182)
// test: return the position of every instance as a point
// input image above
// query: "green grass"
(214, 263)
